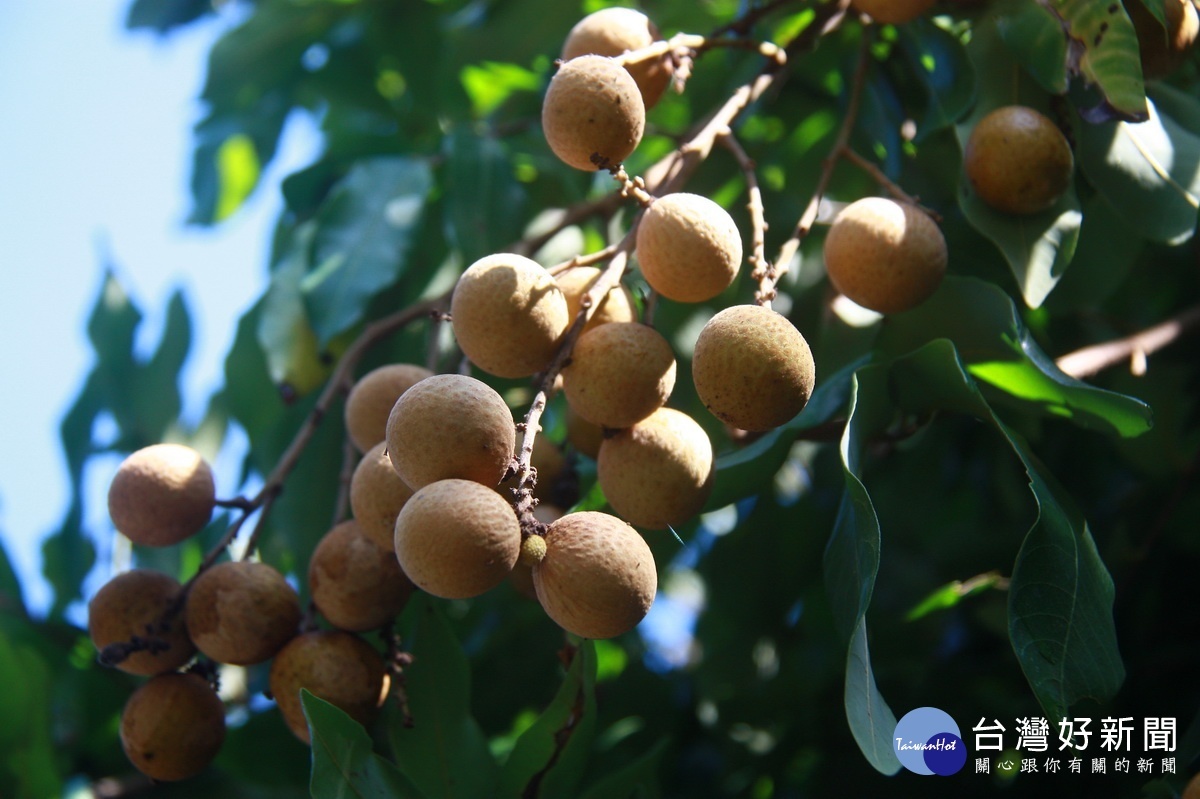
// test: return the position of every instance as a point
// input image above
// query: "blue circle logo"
(928, 741)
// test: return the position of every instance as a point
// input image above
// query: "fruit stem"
(764, 272)
(887, 183)
(1089, 360)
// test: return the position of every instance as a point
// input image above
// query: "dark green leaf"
(939, 62)
(344, 763)
(28, 765)
(871, 720)
(1035, 36)
(11, 600)
(1107, 251)
(624, 782)
(485, 203)
(365, 230)
(162, 16)
(285, 334)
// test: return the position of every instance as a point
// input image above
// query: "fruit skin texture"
(356, 584)
(133, 604)
(161, 495)
(508, 315)
(451, 426)
(658, 473)
(688, 247)
(885, 255)
(598, 578)
(457, 539)
(371, 400)
(337, 666)
(752, 368)
(593, 115)
(893, 12)
(616, 306)
(619, 374)
(1018, 161)
(241, 612)
(377, 494)
(1163, 50)
(172, 727)
(613, 31)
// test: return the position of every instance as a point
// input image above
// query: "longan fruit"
(658, 473)
(885, 255)
(1018, 161)
(451, 426)
(892, 12)
(593, 115)
(508, 315)
(371, 400)
(521, 577)
(377, 494)
(1163, 50)
(172, 726)
(241, 612)
(136, 603)
(334, 665)
(356, 584)
(619, 374)
(161, 495)
(752, 368)
(616, 306)
(688, 247)
(457, 539)
(614, 31)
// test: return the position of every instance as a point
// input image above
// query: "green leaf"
(999, 351)
(938, 61)
(625, 782)
(871, 720)
(11, 601)
(490, 83)
(365, 229)
(292, 350)
(444, 752)
(344, 763)
(162, 16)
(485, 204)
(1147, 170)
(950, 594)
(28, 760)
(548, 758)
(1107, 252)
(1033, 33)
(1103, 47)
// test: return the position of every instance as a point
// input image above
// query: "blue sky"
(95, 138)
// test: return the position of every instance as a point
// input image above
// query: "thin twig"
(764, 273)
(889, 185)
(1135, 348)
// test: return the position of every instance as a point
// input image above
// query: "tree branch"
(1098, 357)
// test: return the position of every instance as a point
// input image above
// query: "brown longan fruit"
(892, 12)
(508, 315)
(598, 578)
(885, 255)
(457, 539)
(451, 426)
(613, 31)
(241, 612)
(142, 603)
(619, 374)
(752, 368)
(356, 584)
(371, 400)
(334, 665)
(377, 494)
(688, 247)
(658, 473)
(161, 495)
(1192, 789)
(1018, 161)
(1163, 49)
(616, 306)
(593, 115)
(172, 727)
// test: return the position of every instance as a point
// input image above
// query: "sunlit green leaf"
(1104, 47)
(344, 763)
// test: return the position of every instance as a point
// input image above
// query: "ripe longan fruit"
(616, 306)
(457, 539)
(508, 315)
(135, 603)
(377, 494)
(752, 368)
(1018, 161)
(356, 584)
(885, 255)
(598, 577)
(172, 727)
(371, 400)
(892, 12)
(688, 247)
(161, 495)
(619, 374)
(658, 473)
(1163, 50)
(593, 115)
(241, 612)
(613, 31)
(334, 665)
(451, 426)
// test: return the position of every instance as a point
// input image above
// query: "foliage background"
(433, 156)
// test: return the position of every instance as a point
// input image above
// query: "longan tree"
(651, 404)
